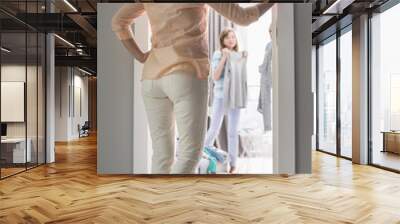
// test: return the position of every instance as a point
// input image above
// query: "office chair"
(84, 130)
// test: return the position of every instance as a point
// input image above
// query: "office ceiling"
(332, 15)
(76, 22)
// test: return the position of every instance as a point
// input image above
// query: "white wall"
(314, 90)
(283, 107)
(115, 95)
(142, 146)
(80, 83)
(61, 104)
(292, 88)
(66, 121)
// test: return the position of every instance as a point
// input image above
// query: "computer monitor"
(3, 130)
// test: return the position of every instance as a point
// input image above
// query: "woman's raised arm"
(240, 15)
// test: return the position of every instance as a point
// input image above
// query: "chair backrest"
(86, 124)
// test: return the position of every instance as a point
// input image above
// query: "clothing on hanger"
(265, 100)
(235, 81)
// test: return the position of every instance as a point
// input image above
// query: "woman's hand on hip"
(133, 48)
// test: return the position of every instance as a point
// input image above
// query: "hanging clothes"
(235, 81)
(265, 100)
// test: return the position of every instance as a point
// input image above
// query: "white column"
(304, 102)
(50, 93)
(360, 90)
(50, 99)
(283, 70)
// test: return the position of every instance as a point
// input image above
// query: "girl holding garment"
(228, 43)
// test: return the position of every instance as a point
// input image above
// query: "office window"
(22, 92)
(327, 96)
(385, 89)
(346, 93)
(13, 148)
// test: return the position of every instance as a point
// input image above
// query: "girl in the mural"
(174, 78)
(228, 43)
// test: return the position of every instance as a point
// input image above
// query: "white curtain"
(216, 23)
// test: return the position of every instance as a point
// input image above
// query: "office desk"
(391, 141)
(13, 150)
